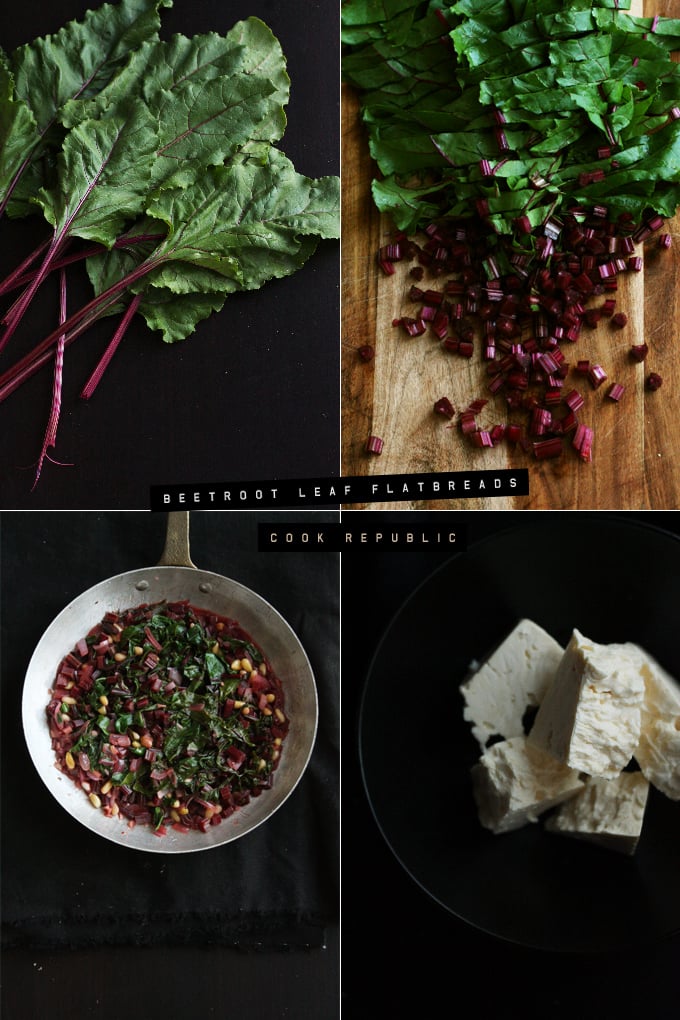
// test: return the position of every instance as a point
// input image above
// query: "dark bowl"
(614, 580)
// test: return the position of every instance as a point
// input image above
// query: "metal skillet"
(175, 577)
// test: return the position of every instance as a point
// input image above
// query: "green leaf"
(75, 63)
(214, 666)
(238, 227)
(104, 176)
(17, 132)
(259, 215)
(210, 95)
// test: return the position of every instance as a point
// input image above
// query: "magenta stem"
(17, 276)
(19, 307)
(50, 438)
(86, 253)
(95, 378)
(76, 324)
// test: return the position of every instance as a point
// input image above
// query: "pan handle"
(176, 552)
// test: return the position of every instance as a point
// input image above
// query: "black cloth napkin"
(64, 886)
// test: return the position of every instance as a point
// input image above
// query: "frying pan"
(175, 577)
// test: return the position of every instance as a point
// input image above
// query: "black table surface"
(111, 938)
(403, 954)
(252, 394)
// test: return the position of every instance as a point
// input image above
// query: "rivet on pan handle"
(176, 552)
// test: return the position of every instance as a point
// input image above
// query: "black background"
(253, 393)
(403, 954)
(91, 928)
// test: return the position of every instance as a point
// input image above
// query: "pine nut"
(95, 801)
(70, 760)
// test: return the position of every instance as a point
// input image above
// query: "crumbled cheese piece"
(608, 812)
(658, 750)
(513, 679)
(590, 716)
(514, 783)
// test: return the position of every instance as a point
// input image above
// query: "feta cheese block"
(608, 812)
(513, 679)
(514, 783)
(590, 716)
(658, 750)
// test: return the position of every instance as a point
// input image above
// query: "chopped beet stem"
(95, 378)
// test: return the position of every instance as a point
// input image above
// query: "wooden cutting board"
(636, 451)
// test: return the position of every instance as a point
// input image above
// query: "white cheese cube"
(513, 679)
(658, 750)
(608, 812)
(514, 783)
(590, 716)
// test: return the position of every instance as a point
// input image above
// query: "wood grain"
(636, 462)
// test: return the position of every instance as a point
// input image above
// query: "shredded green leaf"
(534, 87)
